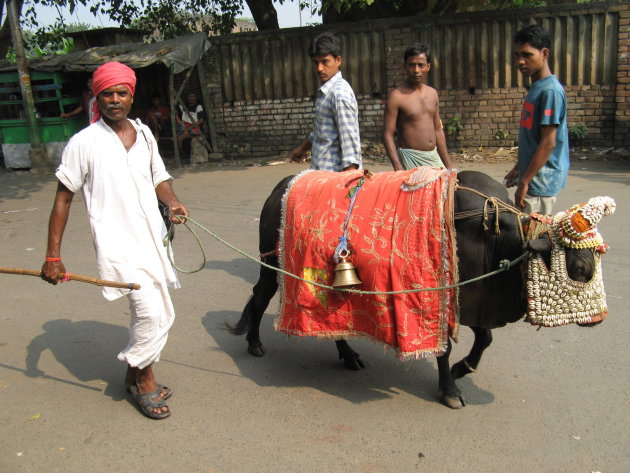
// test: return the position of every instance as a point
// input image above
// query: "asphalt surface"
(553, 400)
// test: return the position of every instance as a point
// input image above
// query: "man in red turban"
(115, 163)
(108, 75)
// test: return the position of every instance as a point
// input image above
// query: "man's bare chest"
(417, 108)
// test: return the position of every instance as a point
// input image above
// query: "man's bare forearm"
(442, 148)
(166, 194)
(58, 220)
(53, 265)
(392, 152)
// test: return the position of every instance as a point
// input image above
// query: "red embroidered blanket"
(401, 237)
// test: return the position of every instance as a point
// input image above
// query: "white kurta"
(119, 192)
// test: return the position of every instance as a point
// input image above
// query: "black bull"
(486, 304)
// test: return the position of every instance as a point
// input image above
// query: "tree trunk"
(5, 31)
(264, 14)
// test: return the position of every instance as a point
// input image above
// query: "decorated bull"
(559, 282)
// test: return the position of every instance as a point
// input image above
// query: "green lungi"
(412, 158)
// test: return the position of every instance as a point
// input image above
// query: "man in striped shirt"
(334, 143)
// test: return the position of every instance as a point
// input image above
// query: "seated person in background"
(85, 106)
(191, 119)
(157, 117)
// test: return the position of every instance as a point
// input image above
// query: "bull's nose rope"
(504, 265)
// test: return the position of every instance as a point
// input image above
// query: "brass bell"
(345, 275)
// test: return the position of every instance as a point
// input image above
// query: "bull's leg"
(264, 290)
(450, 395)
(468, 364)
(249, 322)
(350, 357)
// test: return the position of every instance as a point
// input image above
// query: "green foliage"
(578, 132)
(11, 56)
(454, 126)
(519, 3)
(165, 22)
(501, 135)
(42, 43)
(342, 5)
(169, 18)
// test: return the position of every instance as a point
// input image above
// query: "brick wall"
(271, 128)
(264, 128)
(622, 93)
(489, 116)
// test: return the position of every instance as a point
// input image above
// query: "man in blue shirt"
(543, 142)
(334, 143)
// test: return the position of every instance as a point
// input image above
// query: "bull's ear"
(539, 245)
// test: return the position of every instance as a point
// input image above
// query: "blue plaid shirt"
(335, 138)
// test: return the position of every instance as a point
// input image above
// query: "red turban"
(109, 75)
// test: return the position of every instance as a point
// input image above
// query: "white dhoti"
(413, 158)
(118, 188)
(152, 315)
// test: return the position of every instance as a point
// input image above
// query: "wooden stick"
(72, 277)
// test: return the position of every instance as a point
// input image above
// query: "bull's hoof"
(351, 358)
(460, 369)
(256, 349)
(454, 402)
(353, 363)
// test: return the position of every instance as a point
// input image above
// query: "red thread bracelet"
(52, 260)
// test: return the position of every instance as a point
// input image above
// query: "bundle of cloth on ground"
(401, 236)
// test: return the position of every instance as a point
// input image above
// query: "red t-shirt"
(160, 113)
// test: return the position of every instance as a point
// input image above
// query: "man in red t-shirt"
(157, 117)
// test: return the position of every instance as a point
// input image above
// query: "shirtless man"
(413, 112)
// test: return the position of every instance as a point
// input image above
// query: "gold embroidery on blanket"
(314, 222)
(384, 218)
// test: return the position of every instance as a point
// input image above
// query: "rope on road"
(504, 265)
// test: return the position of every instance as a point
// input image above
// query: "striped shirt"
(335, 138)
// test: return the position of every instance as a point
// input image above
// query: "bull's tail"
(245, 322)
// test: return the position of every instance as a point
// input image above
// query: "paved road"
(554, 400)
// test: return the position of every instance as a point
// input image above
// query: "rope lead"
(504, 265)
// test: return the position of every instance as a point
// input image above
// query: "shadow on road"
(14, 185)
(308, 362)
(238, 267)
(87, 349)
